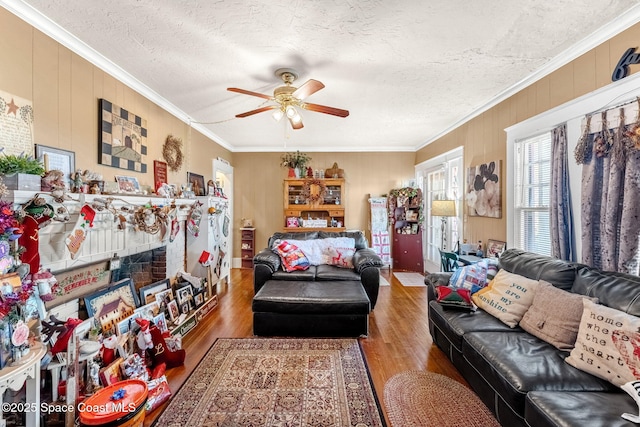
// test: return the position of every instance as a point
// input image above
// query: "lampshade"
(277, 115)
(443, 208)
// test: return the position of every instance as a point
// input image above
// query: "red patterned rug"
(277, 382)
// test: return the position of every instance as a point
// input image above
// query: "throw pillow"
(492, 267)
(455, 298)
(471, 277)
(340, 257)
(554, 316)
(608, 344)
(507, 297)
(292, 257)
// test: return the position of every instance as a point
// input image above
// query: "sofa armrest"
(364, 258)
(269, 258)
(434, 280)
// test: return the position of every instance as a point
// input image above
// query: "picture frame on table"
(198, 299)
(174, 311)
(495, 248)
(127, 184)
(197, 183)
(148, 293)
(161, 322)
(148, 311)
(108, 305)
(185, 295)
(56, 158)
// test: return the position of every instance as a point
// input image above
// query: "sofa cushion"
(607, 345)
(291, 236)
(554, 316)
(592, 409)
(507, 297)
(308, 274)
(559, 273)
(331, 272)
(455, 323)
(515, 362)
(470, 277)
(616, 290)
(292, 257)
(330, 297)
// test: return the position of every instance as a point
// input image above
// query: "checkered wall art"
(122, 138)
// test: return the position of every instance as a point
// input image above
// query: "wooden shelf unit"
(299, 211)
(406, 248)
(247, 246)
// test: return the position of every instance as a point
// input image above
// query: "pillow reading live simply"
(292, 257)
(507, 297)
(554, 316)
(608, 344)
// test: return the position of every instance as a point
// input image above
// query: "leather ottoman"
(311, 309)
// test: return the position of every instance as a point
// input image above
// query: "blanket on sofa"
(331, 250)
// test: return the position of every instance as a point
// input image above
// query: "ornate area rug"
(277, 382)
(410, 279)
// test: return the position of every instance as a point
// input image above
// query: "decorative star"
(13, 108)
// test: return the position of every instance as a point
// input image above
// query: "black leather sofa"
(323, 300)
(522, 379)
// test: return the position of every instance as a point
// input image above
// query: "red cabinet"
(248, 246)
(407, 252)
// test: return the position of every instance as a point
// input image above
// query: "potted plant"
(21, 172)
(296, 161)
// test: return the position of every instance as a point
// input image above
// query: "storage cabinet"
(247, 246)
(313, 204)
(405, 212)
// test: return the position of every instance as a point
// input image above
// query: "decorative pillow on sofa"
(475, 276)
(608, 344)
(554, 316)
(507, 297)
(338, 251)
(292, 257)
(448, 296)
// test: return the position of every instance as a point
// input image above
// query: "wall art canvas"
(16, 122)
(483, 195)
(122, 138)
(112, 305)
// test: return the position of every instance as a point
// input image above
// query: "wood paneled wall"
(484, 139)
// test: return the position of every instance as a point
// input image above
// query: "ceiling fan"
(289, 97)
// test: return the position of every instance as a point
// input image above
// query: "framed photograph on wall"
(197, 183)
(56, 158)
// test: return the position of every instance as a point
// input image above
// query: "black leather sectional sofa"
(522, 379)
(323, 300)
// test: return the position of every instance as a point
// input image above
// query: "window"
(532, 174)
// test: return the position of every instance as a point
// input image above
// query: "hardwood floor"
(398, 338)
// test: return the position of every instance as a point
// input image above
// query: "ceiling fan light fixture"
(291, 111)
(277, 115)
(297, 118)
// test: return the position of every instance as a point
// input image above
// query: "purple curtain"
(562, 235)
(610, 196)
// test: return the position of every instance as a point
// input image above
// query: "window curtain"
(562, 235)
(609, 151)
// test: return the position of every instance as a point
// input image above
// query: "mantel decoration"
(313, 191)
(172, 152)
(296, 161)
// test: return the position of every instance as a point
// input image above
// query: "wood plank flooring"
(398, 338)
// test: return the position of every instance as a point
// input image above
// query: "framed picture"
(122, 138)
(185, 308)
(148, 293)
(185, 294)
(111, 305)
(161, 322)
(111, 374)
(148, 311)
(55, 158)
(173, 310)
(197, 183)
(128, 184)
(124, 326)
(198, 299)
(495, 248)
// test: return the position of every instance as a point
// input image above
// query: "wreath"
(313, 197)
(172, 152)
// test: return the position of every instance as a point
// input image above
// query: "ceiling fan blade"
(259, 110)
(296, 125)
(309, 88)
(324, 109)
(248, 92)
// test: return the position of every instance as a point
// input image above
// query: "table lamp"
(444, 209)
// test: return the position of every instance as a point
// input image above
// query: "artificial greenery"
(295, 160)
(11, 164)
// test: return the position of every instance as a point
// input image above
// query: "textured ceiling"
(407, 70)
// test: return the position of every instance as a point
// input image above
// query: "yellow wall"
(64, 89)
(484, 139)
(259, 192)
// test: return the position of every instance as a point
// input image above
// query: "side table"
(14, 377)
